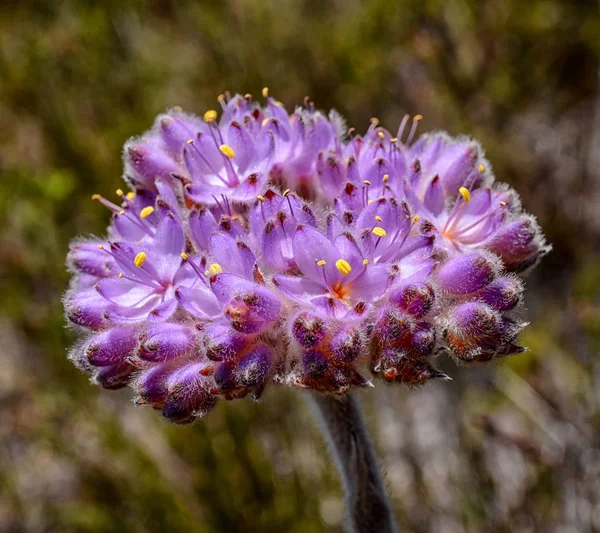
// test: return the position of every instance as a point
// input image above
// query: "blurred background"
(508, 447)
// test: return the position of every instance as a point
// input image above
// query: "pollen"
(464, 192)
(367, 182)
(214, 269)
(386, 178)
(416, 219)
(416, 118)
(321, 263)
(96, 197)
(365, 262)
(130, 195)
(261, 198)
(286, 192)
(190, 141)
(380, 232)
(481, 168)
(381, 135)
(265, 122)
(119, 192)
(184, 256)
(139, 259)
(147, 211)
(227, 150)
(210, 115)
(265, 92)
(343, 266)
(378, 218)
(120, 275)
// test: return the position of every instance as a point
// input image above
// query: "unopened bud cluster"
(261, 247)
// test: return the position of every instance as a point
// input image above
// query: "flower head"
(260, 247)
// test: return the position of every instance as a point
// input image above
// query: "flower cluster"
(265, 247)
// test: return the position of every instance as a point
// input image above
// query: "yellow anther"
(386, 178)
(265, 122)
(343, 266)
(120, 274)
(247, 96)
(380, 232)
(261, 197)
(381, 135)
(367, 182)
(130, 195)
(190, 141)
(321, 263)
(100, 247)
(365, 262)
(220, 98)
(370, 202)
(464, 192)
(213, 270)
(265, 92)
(96, 197)
(502, 204)
(378, 218)
(184, 256)
(147, 211)
(122, 212)
(227, 150)
(286, 192)
(139, 259)
(351, 131)
(481, 168)
(374, 120)
(394, 140)
(210, 115)
(416, 219)
(416, 118)
(119, 192)
(177, 108)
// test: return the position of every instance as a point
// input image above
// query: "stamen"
(227, 150)
(374, 121)
(100, 247)
(464, 192)
(386, 178)
(214, 269)
(402, 126)
(343, 266)
(210, 115)
(413, 129)
(481, 168)
(416, 219)
(265, 92)
(265, 122)
(139, 259)
(121, 275)
(502, 204)
(378, 218)
(147, 211)
(130, 195)
(119, 192)
(365, 262)
(381, 135)
(184, 256)
(394, 140)
(321, 263)
(286, 192)
(261, 198)
(122, 212)
(367, 182)
(380, 232)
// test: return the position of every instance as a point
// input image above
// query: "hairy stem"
(367, 506)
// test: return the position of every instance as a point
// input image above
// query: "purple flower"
(262, 247)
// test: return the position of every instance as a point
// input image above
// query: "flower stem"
(367, 506)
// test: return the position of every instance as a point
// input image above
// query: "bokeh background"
(512, 447)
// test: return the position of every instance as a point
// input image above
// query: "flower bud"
(162, 342)
(145, 163)
(503, 294)
(346, 345)
(465, 274)
(114, 376)
(187, 395)
(415, 298)
(253, 369)
(151, 385)
(86, 308)
(392, 324)
(423, 339)
(112, 346)
(315, 364)
(222, 342)
(308, 329)
(87, 258)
